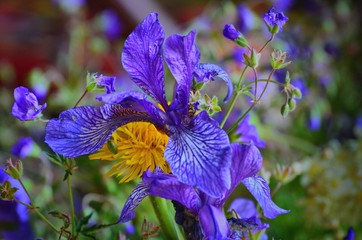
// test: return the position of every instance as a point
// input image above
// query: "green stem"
(270, 39)
(276, 189)
(265, 80)
(235, 97)
(165, 219)
(256, 83)
(71, 205)
(232, 128)
(80, 99)
(26, 191)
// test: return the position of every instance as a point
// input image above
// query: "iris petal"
(259, 188)
(169, 187)
(199, 155)
(213, 223)
(208, 71)
(141, 58)
(182, 55)
(135, 198)
(85, 129)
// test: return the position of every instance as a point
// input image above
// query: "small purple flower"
(350, 234)
(111, 24)
(246, 163)
(14, 214)
(248, 133)
(26, 107)
(245, 19)
(230, 32)
(23, 147)
(275, 21)
(193, 139)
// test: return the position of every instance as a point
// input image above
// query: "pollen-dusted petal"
(182, 55)
(169, 187)
(259, 188)
(200, 155)
(135, 198)
(207, 71)
(141, 57)
(84, 130)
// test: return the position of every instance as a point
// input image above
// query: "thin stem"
(235, 97)
(265, 80)
(256, 83)
(71, 205)
(26, 191)
(232, 128)
(267, 42)
(80, 99)
(276, 189)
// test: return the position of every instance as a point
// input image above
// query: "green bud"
(297, 93)
(252, 60)
(14, 171)
(241, 41)
(284, 110)
(274, 29)
(292, 104)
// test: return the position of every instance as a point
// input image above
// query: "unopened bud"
(285, 110)
(292, 104)
(297, 93)
(14, 170)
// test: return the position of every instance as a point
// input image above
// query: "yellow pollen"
(134, 147)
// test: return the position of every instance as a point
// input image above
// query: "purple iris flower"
(248, 133)
(14, 215)
(23, 147)
(26, 106)
(198, 150)
(246, 163)
(272, 18)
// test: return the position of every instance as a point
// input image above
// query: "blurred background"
(50, 45)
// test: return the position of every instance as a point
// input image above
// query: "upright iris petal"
(26, 106)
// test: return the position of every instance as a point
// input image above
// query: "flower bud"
(231, 33)
(277, 59)
(292, 104)
(252, 60)
(7, 191)
(285, 110)
(297, 93)
(14, 171)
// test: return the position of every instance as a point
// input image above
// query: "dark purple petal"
(141, 58)
(213, 223)
(206, 71)
(136, 101)
(26, 105)
(135, 198)
(259, 188)
(169, 187)
(199, 155)
(182, 55)
(249, 133)
(230, 32)
(83, 130)
(23, 147)
(246, 162)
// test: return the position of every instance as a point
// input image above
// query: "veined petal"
(135, 198)
(141, 57)
(259, 188)
(213, 223)
(200, 155)
(83, 130)
(169, 187)
(182, 55)
(207, 71)
(136, 101)
(246, 162)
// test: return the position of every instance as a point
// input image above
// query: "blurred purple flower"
(248, 133)
(314, 122)
(350, 234)
(14, 215)
(283, 5)
(246, 163)
(273, 18)
(237, 54)
(26, 105)
(111, 24)
(23, 147)
(230, 32)
(245, 18)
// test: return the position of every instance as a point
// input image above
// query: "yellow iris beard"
(135, 147)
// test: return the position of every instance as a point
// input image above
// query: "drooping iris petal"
(199, 155)
(206, 71)
(86, 129)
(182, 55)
(246, 162)
(141, 57)
(169, 187)
(259, 188)
(135, 198)
(213, 223)
(136, 101)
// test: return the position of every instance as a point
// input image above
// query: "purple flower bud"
(275, 21)
(26, 105)
(230, 32)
